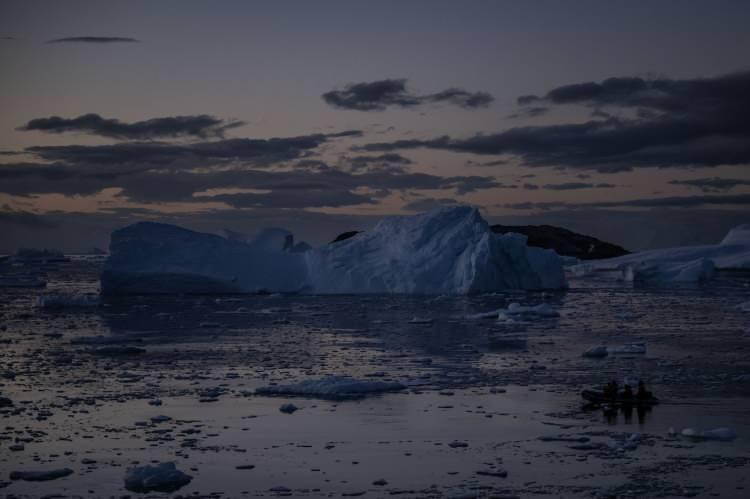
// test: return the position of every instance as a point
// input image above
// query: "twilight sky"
(625, 120)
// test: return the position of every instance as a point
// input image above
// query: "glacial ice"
(682, 264)
(450, 250)
(332, 387)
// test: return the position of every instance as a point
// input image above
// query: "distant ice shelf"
(682, 264)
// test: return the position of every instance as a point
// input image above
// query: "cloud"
(94, 39)
(676, 123)
(295, 188)
(379, 95)
(662, 202)
(201, 126)
(145, 155)
(427, 204)
(571, 186)
(296, 199)
(715, 184)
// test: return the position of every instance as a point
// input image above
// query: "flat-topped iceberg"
(682, 264)
(447, 251)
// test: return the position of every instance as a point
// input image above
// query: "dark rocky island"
(565, 242)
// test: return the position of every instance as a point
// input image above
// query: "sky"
(624, 120)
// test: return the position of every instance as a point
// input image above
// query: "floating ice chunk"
(722, 434)
(483, 315)
(744, 307)
(627, 349)
(541, 310)
(164, 477)
(288, 408)
(332, 387)
(40, 476)
(420, 320)
(596, 352)
(68, 300)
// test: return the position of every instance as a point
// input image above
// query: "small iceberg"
(720, 434)
(332, 387)
(627, 349)
(68, 300)
(597, 352)
(541, 310)
(164, 477)
(40, 476)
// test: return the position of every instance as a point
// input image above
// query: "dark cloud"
(296, 199)
(427, 204)
(662, 202)
(694, 122)
(383, 158)
(715, 184)
(379, 95)
(145, 155)
(201, 126)
(94, 39)
(334, 187)
(571, 186)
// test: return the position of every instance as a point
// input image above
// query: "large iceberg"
(151, 257)
(682, 264)
(447, 251)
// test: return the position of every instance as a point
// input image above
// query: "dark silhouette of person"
(627, 393)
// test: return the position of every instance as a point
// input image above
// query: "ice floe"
(721, 434)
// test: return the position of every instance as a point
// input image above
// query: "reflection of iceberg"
(449, 250)
(332, 387)
(683, 264)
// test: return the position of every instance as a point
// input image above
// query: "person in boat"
(643, 393)
(627, 393)
(610, 391)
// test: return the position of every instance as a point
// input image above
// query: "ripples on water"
(496, 386)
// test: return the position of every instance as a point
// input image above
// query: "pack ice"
(450, 250)
(682, 264)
